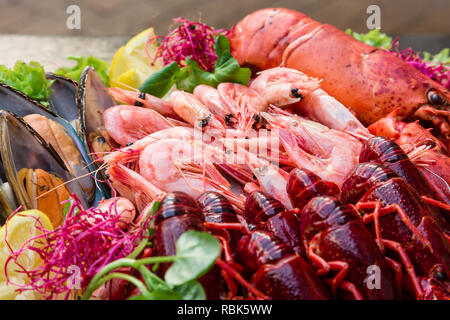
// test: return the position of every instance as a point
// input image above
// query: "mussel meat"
(55, 131)
(34, 170)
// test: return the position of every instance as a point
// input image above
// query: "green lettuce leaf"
(374, 37)
(100, 66)
(27, 78)
(440, 57)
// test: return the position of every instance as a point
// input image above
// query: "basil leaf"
(193, 75)
(164, 294)
(196, 253)
(222, 51)
(191, 290)
(230, 71)
(227, 69)
(160, 82)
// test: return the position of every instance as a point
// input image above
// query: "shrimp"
(131, 153)
(285, 86)
(120, 206)
(141, 99)
(243, 103)
(329, 153)
(210, 98)
(173, 165)
(191, 110)
(133, 186)
(271, 178)
(127, 124)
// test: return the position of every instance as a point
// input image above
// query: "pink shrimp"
(270, 177)
(133, 186)
(191, 110)
(209, 96)
(123, 207)
(131, 153)
(329, 153)
(285, 86)
(243, 103)
(174, 165)
(141, 99)
(127, 124)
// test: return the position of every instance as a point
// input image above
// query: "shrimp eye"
(203, 123)
(140, 96)
(435, 98)
(296, 94)
(228, 118)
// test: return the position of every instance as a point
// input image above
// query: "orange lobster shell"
(369, 81)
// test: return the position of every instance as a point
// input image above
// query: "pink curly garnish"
(86, 242)
(435, 71)
(192, 39)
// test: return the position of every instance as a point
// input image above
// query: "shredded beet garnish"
(86, 242)
(190, 39)
(436, 71)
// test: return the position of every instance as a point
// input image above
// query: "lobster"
(369, 81)
(336, 238)
(403, 223)
(277, 270)
(387, 152)
(428, 153)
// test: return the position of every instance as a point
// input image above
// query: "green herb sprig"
(196, 253)
(226, 69)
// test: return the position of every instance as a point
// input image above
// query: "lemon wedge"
(18, 230)
(133, 63)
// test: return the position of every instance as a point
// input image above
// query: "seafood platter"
(281, 159)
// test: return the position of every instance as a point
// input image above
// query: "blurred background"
(423, 24)
(126, 17)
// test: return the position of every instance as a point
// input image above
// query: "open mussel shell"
(63, 99)
(8, 202)
(63, 134)
(35, 172)
(93, 99)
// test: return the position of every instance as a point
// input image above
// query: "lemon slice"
(23, 226)
(133, 63)
(9, 292)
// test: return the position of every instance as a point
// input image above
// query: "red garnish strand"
(88, 240)
(438, 72)
(190, 39)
